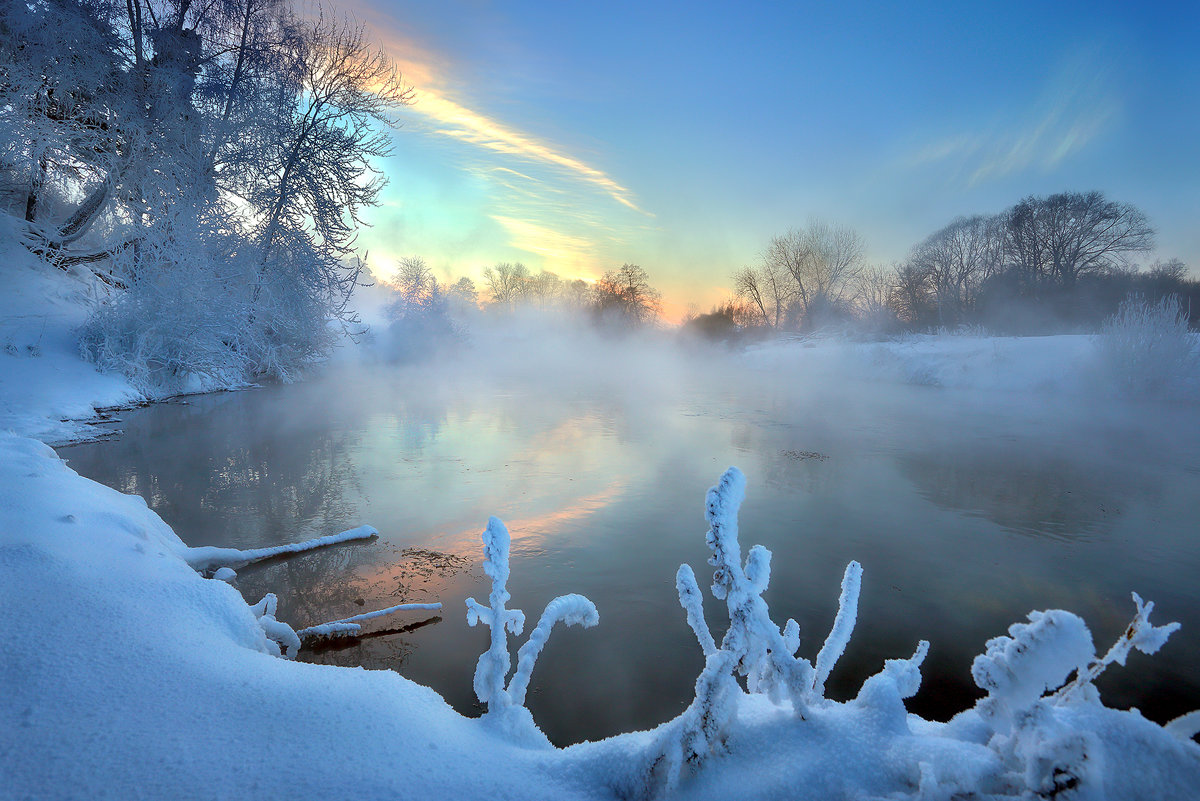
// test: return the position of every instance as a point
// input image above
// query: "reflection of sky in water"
(965, 514)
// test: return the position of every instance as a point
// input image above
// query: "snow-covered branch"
(507, 705)
(208, 558)
(350, 625)
(843, 627)
(574, 610)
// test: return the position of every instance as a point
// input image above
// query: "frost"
(1017, 670)
(573, 610)
(281, 634)
(693, 604)
(507, 705)
(762, 654)
(1140, 635)
(843, 627)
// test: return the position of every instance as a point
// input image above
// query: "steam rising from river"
(974, 479)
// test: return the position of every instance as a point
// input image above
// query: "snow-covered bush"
(1038, 737)
(1019, 742)
(506, 706)
(421, 324)
(181, 316)
(1146, 348)
(193, 312)
(753, 645)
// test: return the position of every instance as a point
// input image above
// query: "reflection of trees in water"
(246, 475)
(1033, 493)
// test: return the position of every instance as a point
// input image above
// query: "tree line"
(1061, 262)
(210, 162)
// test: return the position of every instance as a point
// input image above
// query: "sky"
(575, 137)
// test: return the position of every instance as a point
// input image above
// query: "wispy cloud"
(429, 74)
(1073, 110)
(470, 126)
(549, 202)
(576, 252)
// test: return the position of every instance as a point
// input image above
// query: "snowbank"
(46, 388)
(127, 674)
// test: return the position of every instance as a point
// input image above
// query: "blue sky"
(682, 136)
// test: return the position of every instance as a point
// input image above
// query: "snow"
(128, 674)
(350, 625)
(206, 558)
(843, 627)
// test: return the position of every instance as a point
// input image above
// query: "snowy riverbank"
(127, 674)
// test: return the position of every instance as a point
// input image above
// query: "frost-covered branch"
(208, 557)
(1140, 635)
(494, 663)
(843, 627)
(507, 705)
(763, 655)
(693, 604)
(350, 625)
(697, 734)
(574, 610)
(281, 634)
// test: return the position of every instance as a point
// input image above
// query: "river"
(967, 510)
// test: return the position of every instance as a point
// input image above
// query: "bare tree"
(464, 293)
(768, 289)
(321, 176)
(822, 260)
(507, 282)
(956, 260)
(544, 288)
(627, 294)
(911, 298)
(1061, 237)
(874, 291)
(414, 280)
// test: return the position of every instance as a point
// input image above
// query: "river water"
(966, 511)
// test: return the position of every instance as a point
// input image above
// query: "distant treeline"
(1045, 265)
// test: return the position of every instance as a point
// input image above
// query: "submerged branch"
(349, 625)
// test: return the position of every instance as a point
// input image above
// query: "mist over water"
(967, 506)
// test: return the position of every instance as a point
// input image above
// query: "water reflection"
(966, 513)
(1038, 495)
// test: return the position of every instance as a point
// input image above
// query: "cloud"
(576, 252)
(466, 125)
(548, 202)
(1073, 110)
(430, 74)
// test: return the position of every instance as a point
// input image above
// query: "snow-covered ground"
(46, 388)
(128, 674)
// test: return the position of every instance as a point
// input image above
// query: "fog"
(974, 478)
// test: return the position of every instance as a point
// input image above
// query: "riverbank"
(127, 674)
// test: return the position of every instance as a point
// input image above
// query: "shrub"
(1146, 348)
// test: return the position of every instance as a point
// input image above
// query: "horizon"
(575, 139)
